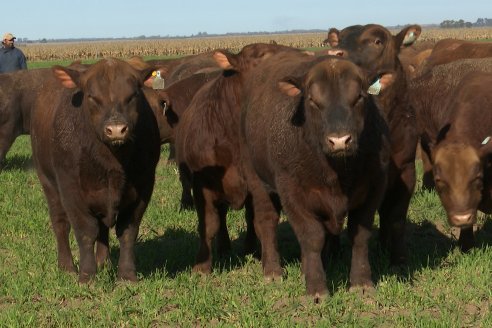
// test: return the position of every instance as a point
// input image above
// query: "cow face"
(458, 176)
(333, 102)
(111, 96)
(373, 46)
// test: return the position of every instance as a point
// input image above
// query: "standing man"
(11, 58)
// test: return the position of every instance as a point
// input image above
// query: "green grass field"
(440, 286)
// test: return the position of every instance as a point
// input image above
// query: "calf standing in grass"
(313, 136)
(95, 147)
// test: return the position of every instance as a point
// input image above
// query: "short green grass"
(440, 287)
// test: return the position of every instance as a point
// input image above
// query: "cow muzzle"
(339, 144)
(462, 220)
(116, 133)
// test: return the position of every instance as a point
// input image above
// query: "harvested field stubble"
(188, 46)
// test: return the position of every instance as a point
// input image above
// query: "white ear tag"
(409, 38)
(486, 140)
(158, 82)
(375, 88)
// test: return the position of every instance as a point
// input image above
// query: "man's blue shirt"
(11, 59)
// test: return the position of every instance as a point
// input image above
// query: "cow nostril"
(109, 131)
(116, 131)
(340, 142)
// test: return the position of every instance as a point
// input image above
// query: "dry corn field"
(189, 46)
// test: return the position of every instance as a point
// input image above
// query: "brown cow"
(207, 147)
(450, 102)
(95, 147)
(313, 136)
(448, 50)
(429, 95)
(375, 49)
(168, 106)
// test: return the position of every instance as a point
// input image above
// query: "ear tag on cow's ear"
(410, 38)
(375, 88)
(158, 82)
(485, 141)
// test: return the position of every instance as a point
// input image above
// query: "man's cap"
(8, 36)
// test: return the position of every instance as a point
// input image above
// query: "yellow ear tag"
(158, 82)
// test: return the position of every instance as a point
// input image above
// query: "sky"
(35, 19)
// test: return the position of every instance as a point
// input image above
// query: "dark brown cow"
(180, 68)
(207, 147)
(374, 48)
(315, 138)
(168, 106)
(450, 102)
(448, 50)
(17, 94)
(95, 147)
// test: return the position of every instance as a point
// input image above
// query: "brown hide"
(95, 146)
(291, 106)
(207, 146)
(451, 103)
(449, 50)
(375, 49)
(17, 95)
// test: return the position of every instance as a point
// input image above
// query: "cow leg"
(102, 246)
(7, 137)
(223, 241)
(86, 230)
(466, 240)
(311, 235)
(61, 227)
(127, 227)
(393, 214)
(266, 219)
(208, 226)
(185, 178)
(250, 241)
(359, 230)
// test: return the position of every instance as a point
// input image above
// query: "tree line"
(481, 22)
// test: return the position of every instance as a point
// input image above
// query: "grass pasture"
(440, 287)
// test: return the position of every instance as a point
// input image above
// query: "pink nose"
(116, 131)
(340, 143)
(462, 219)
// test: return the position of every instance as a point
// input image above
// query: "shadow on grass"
(175, 251)
(18, 162)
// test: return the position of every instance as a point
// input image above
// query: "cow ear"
(407, 36)
(290, 86)
(382, 82)
(138, 63)
(69, 78)
(223, 59)
(148, 75)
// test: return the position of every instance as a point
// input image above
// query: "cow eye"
(378, 41)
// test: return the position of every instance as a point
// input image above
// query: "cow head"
(249, 57)
(110, 96)
(373, 47)
(458, 170)
(334, 100)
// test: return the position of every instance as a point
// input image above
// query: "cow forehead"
(457, 158)
(111, 75)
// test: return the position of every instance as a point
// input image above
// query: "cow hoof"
(366, 290)
(85, 278)
(128, 276)
(202, 268)
(273, 277)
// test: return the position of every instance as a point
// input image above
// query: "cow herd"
(324, 137)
